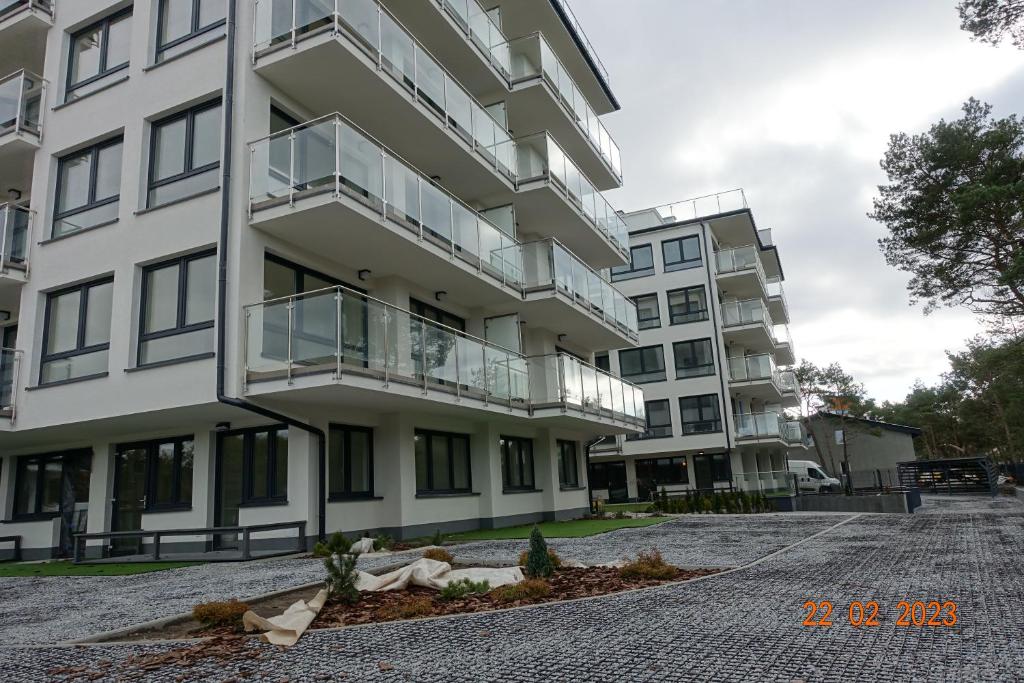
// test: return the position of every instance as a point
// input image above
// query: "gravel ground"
(743, 625)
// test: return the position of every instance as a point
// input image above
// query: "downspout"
(222, 282)
(713, 306)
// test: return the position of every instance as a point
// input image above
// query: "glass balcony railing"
(793, 432)
(778, 483)
(774, 286)
(747, 312)
(789, 382)
(332, 155)
(21, 98)
(15, 228)
(482, 31)
(549, 265)
(753, 368)
(540, 157)
(532, 58)
(565, 380)
(9, 7)
(741, 259)
(574, 23)
(782, 335)
(703, 206)
(768, 426)
(397, 54)
(10, 368)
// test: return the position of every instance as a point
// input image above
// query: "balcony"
(15, 240)
(783, 345)
(760, 378)
(23, 27)
(767, 428)
(339, 346)
(321, 54)
(704, 206)
(21, 130)
(10, 371)
(328, 187)
(544, 96)
(740, 273)
(778, 306)
(748, 322)
(554, 194)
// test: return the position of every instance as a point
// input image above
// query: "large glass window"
(442, 463)
(517, 463)
(717, 463)
(693, 358)
(350, 462)
(76, 332)
(642, 365)
(687, 305)
(700, 414)
(169, 465)
(641, 264)
(184, 154)
(681, 253)
(659, 421)
(568, 465)
(181, 23)
(262, 454)
(661, 471)
(97, 53)
(177, 309)
(88, 188)
(647, 312)
(38, 480)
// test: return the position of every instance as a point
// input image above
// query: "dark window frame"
(180, 327)
(649, 429)
(189, 116)
(709, 366)
(105, 69)
(92, 203)
(632, 377)
(83, 314)
(19, 467)
(657, 308)
(721, 466)
(632, 272)
(152, 447)
(682, 263)
(346, 493)
(195, 32)
(273, 497)
(672, 318)
(656, 465)
(426, 434)
(603, 361)
(716, 422)
(505, 443)
(568, 472)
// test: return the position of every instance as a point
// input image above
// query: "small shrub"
(652, 509)
(538, 562)
(598, 506)
(439, 554)
(648, 566)
(340, 563)
(383, 542)
(457, 590)
(530, 589)
(227, 613)
(706, 505)
(684, 506)
(409, 609)
(337, 544)
(437, 538)
(556, 561)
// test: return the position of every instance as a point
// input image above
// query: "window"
(169, 464)
(700, 414)
(721, 468)
(642, 365)
(283, 278)
(88, 188)
(647, 311)
(688, 305)
(437, 315)
(262, 454)
(38, 481)
(659, 421)
(603, 362)
(442, 463)
(660, 471)
(517, 463)
(176, 319)
(681, 253)
(641, 264)
(97, 53)
(76, 332)
(350, 462)
(184, 154)
(568, 467)
(180, 22)
(693, 358)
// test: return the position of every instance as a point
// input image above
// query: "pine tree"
(538, 562)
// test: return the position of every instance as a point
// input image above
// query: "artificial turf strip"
(70, 569)
(571, 529)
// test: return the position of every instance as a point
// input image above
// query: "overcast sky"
(794, 100)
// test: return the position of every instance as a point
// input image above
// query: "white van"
(811, 477)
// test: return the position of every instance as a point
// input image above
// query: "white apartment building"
(332, 262)
(714, 343)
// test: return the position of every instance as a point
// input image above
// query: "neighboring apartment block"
(303, 261)
(714, 343)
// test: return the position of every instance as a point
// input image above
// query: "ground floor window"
(711, 468)
(38, 485)
(254, 466)
(610, 476)
(350, 462)
(517, 463)
(568, 468)
(442, 462)
(661, 471)
(157, 472)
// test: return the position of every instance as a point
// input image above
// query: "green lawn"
(70, 569)
(570, 529)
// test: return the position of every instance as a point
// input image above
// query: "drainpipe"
(586, 455)
(713, 306)
(222, 283)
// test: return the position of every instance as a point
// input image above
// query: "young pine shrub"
(226, 613)
(456, 590)
(706, 505)
(531, 589)
(340, 563)
(438, 554)
(383, 542)
(538, 562)
(648, 566)
(556, 561)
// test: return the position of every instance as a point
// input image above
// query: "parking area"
(742, 625)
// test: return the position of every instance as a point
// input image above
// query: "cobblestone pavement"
(742, 625)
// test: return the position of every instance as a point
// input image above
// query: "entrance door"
(618, 492)
(129, 498)
(702, 472)
(74, 498)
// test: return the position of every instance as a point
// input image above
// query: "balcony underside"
(534, 107)
(329, 73)
(551, 214)
(784, 354)
(558, 312)
(365, 389)
(737, 229)
(754, 337)
(759, 389)
(778, 310)
(763, 442)
(12, 277)
(17, 153)
(741, 284)
(790, 399)
(23, 37)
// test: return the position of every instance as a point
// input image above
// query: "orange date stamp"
(861, 614)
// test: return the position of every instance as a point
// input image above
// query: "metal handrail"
(639, 408)
(727, 263)
(466, 23)
(578, 28)
(669, 210)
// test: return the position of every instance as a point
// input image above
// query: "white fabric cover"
(433, 574)
(286, 629)
(362, 546)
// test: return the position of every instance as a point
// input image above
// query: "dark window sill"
(446, 494)
(175, 202)
(97, 91)
(572, 488)
(510, 492)
(712, 374)
(353, 498)
(172, 361)
(186, 53)
(68, 381)
(34, 517)
(644, 381)
(715, 431)
(66, 235)
(264, 503)
(168, 508)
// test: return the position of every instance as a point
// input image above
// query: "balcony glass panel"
(21, 96)
(10, 367)
(746, 312)
(758, 425)
(14, 235)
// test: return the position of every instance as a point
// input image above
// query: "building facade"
(714, 346)
(301, 261)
